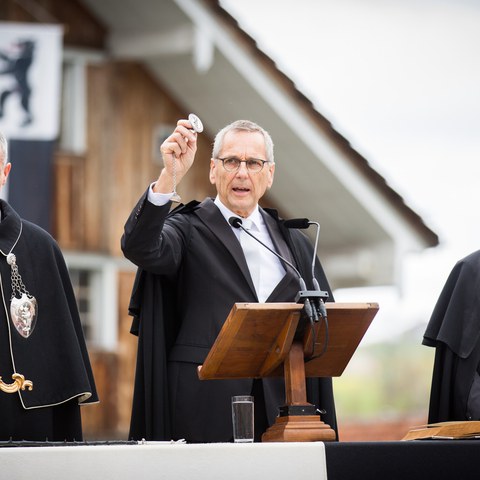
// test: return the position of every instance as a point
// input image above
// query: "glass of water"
(242, 418)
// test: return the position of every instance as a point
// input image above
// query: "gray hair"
(3, 149)
(243, 126)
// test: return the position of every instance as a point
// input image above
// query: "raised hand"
(178, 153)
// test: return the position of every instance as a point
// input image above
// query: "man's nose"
(242, 169)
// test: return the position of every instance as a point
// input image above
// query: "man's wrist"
(157, 198)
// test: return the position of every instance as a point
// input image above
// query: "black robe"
(54, 356)
(153, 304)
(454, 331)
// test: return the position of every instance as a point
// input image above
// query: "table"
(165, 460)
(418, 459)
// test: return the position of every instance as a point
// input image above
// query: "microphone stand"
(312, 297)
(315, 298)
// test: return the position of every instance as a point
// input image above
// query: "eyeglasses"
(232, 164)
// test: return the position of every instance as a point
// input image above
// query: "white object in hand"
(197, 127)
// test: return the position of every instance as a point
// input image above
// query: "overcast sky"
(400, 79)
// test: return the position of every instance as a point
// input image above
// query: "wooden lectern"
(267, 339)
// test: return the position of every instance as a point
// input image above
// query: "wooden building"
(131, 68)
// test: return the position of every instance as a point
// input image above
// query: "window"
(94, 281)
(82, 286)
(74, 99)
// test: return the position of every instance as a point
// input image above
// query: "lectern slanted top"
(256, 338)
(254, 341)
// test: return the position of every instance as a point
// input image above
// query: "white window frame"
(103, 271)
(73, 118)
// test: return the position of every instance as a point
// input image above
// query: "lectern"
(269, 339)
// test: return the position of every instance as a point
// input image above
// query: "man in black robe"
(44, 366)
(454, 331)
(192, 271)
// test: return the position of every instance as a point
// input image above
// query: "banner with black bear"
(30, 94)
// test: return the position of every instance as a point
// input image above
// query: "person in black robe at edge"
(192, 270)
(454, 332)
(41, 340)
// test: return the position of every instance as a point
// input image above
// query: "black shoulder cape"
(454, 330)
(54, 357)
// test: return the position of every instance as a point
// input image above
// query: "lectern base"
(301, 428)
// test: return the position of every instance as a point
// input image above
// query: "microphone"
(303, 223)
(236, 222)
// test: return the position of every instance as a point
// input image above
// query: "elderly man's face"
(4, 171)
(240, 191)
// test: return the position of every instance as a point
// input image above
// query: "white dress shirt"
(271, 268)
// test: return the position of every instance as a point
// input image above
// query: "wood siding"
(80, 27)
(95, 193)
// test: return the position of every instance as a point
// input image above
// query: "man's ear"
(211, 175)
(6, 171)
(271, 174)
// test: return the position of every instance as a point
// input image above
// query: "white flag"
(30, 80)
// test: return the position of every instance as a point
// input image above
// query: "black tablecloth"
(418, 459)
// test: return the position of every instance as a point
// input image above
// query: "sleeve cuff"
(158, 199)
